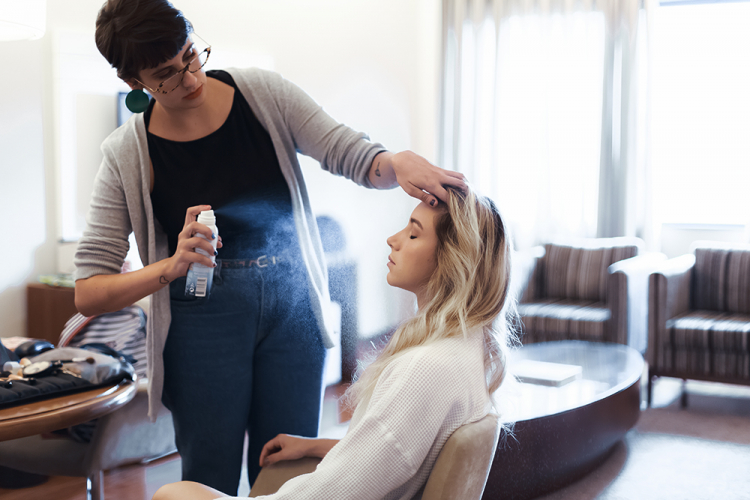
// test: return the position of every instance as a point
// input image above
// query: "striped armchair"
(699, 319)
(595, 291)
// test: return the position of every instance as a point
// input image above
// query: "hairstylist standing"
(249, 357)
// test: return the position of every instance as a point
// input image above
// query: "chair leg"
(650, 390)
(95, 486)
(684, 395)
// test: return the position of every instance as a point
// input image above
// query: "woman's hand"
(187, 242)
(285, 447)
(417, 176)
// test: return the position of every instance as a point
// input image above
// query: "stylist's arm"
(417, 176)
(111, 292)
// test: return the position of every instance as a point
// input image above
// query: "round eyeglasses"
(199, 59)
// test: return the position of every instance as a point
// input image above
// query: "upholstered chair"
(125, 436)
(594, 290)
(460, 470)
(699, 318)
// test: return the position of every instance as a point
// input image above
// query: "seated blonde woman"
(436, 373)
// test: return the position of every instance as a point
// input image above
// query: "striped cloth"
(124, 331)
(722, 280)
(555, 319)
(707, 343)
(580, 273)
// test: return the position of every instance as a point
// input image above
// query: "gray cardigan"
(121, 201)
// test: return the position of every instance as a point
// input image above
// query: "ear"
(133, 84)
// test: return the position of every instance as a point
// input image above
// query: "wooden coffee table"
(63, 411)
(562, 433)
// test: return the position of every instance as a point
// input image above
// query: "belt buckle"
(265, 259)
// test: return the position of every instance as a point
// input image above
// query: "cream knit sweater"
(391, 446)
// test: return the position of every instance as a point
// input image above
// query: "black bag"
(105, 370)
(6, 355)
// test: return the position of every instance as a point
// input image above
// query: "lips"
(194, 94)
(390, 262)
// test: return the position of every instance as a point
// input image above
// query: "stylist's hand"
(285, 447)
(423, 180)
(188, 241)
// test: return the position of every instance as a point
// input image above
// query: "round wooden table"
(63, 411)
(563, 432)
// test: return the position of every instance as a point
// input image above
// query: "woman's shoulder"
(441, 358)
(254, 76)
(124, 139)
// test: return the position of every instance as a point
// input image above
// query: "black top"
(235, 170)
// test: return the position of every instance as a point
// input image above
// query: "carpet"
(701, 452)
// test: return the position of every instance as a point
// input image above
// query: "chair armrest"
(669, 296)
(525, 274)
(628, 298)
(128, 436)
(273, 476)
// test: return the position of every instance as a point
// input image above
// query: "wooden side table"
(63, 411)
(48, 308)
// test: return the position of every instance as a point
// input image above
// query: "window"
(548, 120)
(701, 113)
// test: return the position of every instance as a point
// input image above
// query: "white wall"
(26, 196)
(678, 239)
(371, 64)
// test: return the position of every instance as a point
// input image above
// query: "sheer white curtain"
(541, 112)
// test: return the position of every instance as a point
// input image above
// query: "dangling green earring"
(136, 101)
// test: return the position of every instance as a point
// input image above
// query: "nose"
(189, 79)
(391, 241)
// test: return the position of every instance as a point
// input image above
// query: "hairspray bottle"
(200, 277)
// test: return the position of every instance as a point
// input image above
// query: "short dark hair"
(134, 35)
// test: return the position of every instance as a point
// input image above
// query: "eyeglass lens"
(193, 66)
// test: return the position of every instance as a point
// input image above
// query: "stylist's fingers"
(453, 173)
(194, 228)
(187, 254)
(438, 189)
(197, 242)
(193, 212)
(455, 179)
(423, 196)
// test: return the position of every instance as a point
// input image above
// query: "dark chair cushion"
(558, 319)
(707, 343)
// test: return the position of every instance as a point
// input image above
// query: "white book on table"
(544, 373)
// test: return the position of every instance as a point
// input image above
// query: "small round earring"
(136, 101)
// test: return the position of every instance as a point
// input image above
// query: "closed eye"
(189, 54)
(412, 237)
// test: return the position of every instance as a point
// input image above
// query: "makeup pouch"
(63, 371)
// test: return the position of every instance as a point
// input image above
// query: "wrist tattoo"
(163, 280)
(377, 169)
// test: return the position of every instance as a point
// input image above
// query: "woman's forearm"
(111, 292)
(321, 447)
(381, 174)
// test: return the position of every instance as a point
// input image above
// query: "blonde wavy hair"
(468, 290)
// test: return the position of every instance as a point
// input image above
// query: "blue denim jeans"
(247, 358)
